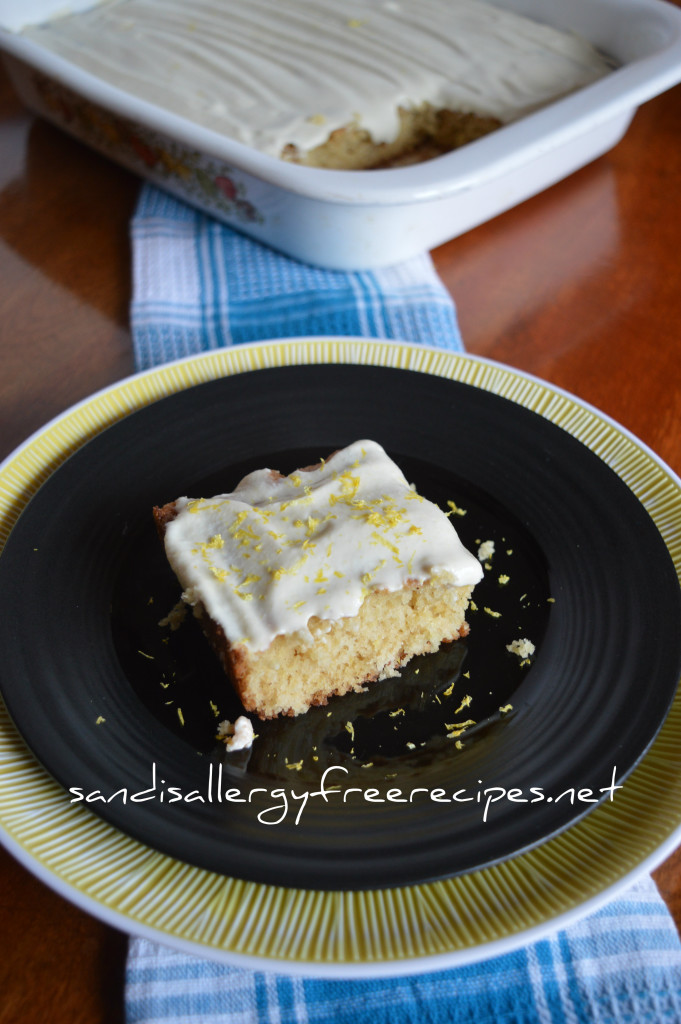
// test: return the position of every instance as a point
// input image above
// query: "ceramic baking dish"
(362, 219)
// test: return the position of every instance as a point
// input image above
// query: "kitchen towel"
(199, 285)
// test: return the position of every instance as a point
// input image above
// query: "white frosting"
(278, 550)
(273, 72)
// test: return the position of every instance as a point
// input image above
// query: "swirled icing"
(270, 73)
(277, 550)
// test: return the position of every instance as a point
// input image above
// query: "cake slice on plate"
(314, 584)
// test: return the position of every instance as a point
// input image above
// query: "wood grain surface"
(580, 285)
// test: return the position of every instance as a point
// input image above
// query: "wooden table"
(580, 285)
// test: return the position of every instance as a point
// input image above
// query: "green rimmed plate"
(372, 930)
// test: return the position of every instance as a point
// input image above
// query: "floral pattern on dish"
(209, 184)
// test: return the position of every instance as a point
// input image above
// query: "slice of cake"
(314, 584)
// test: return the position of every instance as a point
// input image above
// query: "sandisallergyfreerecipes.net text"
(289, 803)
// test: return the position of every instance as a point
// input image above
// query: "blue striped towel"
(200, 286)
(197, 286)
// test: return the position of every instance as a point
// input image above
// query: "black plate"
(105, 697)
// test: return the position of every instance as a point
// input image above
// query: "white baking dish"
(360, 219)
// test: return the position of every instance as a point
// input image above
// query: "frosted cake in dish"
(351, 85)
(314, 584)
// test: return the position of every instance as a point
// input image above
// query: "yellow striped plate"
(350, 933)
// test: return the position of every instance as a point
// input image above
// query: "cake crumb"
(175, 616)
(486, 550)
(238, 735)
(523, 648)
